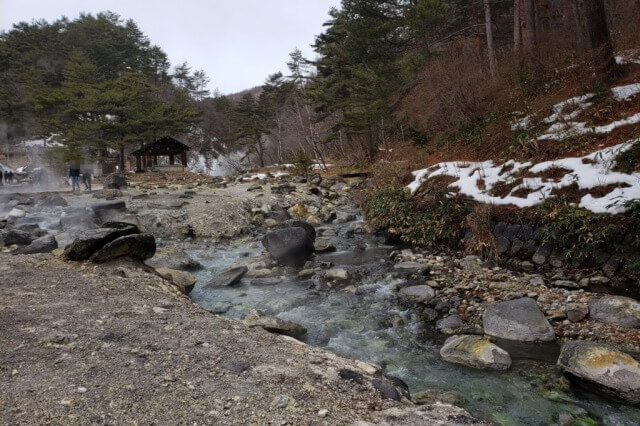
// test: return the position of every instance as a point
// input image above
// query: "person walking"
(86, 179)
(74, 174)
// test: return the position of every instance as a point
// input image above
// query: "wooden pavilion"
(147, 156)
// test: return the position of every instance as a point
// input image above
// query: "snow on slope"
(564, 112)
(590, 171)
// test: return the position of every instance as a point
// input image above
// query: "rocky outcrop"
(136, 246)
(616, 310)
(289, 246)
(476, 352)
(611, 372)
(229, 277)
(45, 244)
(519, 319)
(274, 324)
(91, 241)
(17, 237)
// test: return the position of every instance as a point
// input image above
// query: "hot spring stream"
(357, 326)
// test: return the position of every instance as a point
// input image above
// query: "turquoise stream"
(359, 327)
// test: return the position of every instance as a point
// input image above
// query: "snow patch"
(624, 93)
(586, 172)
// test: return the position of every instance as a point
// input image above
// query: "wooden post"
(184, 159)
(138, 163)
(172, 159)
(155, 160)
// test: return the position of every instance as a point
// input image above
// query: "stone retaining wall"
(520, 246)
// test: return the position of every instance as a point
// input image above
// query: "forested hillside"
(416, 80)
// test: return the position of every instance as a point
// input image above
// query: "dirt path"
(81, 344)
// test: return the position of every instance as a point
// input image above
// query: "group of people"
(75, 174)
(8, 177)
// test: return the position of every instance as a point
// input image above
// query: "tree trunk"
(491, 52)
(599, 37)
(517, 36)
(121, 161)
(529, 22)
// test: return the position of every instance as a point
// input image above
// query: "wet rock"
(92, 240)
(136, 246)
(449, 325)
(44, 244)
(229, 277)
(274, 324)
(519, 319)
(616, 310)
(344, 217)
(432, 396)
(181, 279)
(253, 188)
(289, 246)
(337, 274)
(386, 389)
(115, 181)
(540, 257)
(417, 293)
(611, 372)
(16, 213)
(324, 246)
(476, 352)
(576, 312)
(17, 237)
(173, 259)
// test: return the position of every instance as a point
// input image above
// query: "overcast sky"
(237, 42)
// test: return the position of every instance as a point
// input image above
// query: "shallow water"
(358, 327)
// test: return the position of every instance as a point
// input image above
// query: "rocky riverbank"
(449, 294)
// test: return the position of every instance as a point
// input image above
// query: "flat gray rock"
(476, 352)
(519, 319)
(617, 310)
(417, 293)
(229, 277)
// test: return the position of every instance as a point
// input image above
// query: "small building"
(162, 154)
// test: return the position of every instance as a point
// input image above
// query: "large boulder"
(17, 237)
(45, 244)
(309, 229)
(173, 259)
(616, 310)
(115, 181)
(289, 246)
(600, 367)
(417, 293)
(519, 319)
(274, 324)
(229, 277)
(181, 279)
(89, 242)
(475, 352)
(136, 246)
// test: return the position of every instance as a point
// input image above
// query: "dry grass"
(482, 243)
